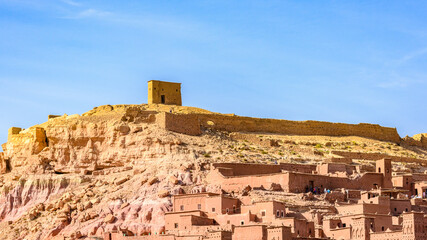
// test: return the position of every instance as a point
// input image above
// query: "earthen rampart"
(189, 123)
(248, 124)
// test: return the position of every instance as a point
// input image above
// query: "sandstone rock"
(275, 187)
(124, 205)
(124, 129)
(109, 218)
(121, 180)
(153, 180)
(163, 193)
(173, 180)
(87, 205)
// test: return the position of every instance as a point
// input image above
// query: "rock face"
(82, 168)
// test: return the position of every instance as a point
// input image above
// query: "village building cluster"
(379, 205)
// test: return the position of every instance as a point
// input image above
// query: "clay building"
(374, 205)
(161, 92)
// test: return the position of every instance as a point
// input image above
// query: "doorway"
(163, 99)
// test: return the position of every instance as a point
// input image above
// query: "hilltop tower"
(164, 92)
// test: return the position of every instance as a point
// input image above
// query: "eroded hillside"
(115, 167)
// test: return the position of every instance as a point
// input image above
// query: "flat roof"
(163, 81)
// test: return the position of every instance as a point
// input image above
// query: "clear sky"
(338, 61)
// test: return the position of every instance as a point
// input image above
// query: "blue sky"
(338, 61)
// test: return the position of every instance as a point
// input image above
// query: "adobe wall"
(254, 232)
(239, 169)
(180, 123)
(393, 235)
(248, 124)
(377, 156)
(293, 181)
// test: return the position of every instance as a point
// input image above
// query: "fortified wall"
(232, 123)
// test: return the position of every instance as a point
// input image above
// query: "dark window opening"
(163, 98)
(8, 166)
(213, 209)
(199, 206)
(382, 228)
(343, 225)
(227, 210)
(379, 169)
(395, 209)
(176, 225)
(263, 213)
(242, 222)
(181, 207)
(406, 210)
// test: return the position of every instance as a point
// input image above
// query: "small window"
(283, 213)
(199, 206)
(395, 209)
(234, 209)
(228, 222)
(242, 222)
(263, 213)
(343, 225)
(213, 209)
(406, 209)
(388, 170)
(382, 228)
(227, 210)
(176, 225)
(181, 207)
(277, 213)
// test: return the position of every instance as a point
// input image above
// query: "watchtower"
(164, 92)
(384, 166)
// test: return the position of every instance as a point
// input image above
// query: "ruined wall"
(378, 156)
(180, 123)
(248, 124)
(24, 145)
(240, 169)
(176, 122)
